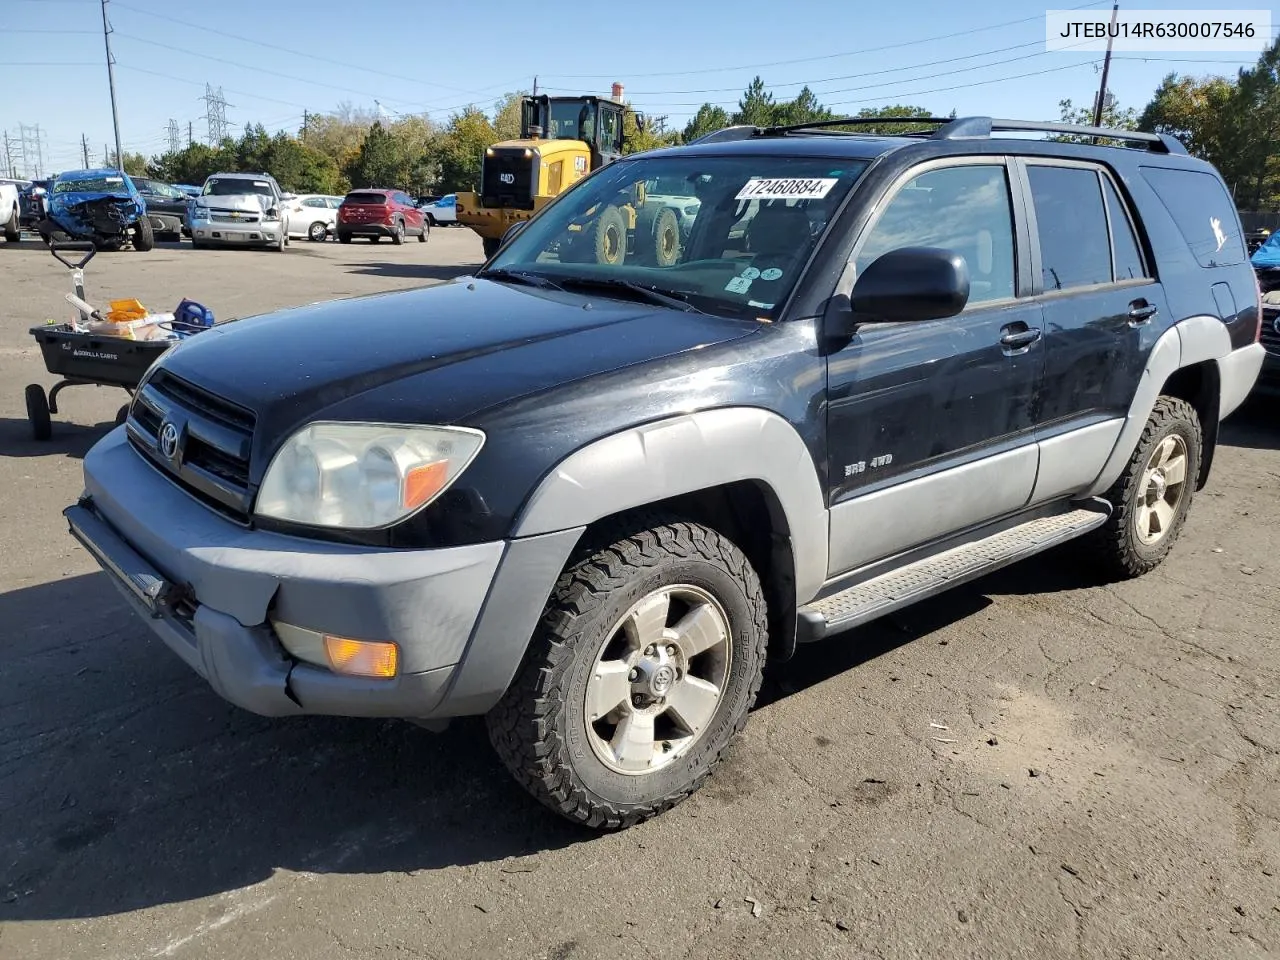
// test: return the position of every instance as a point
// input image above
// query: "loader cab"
(595, 121)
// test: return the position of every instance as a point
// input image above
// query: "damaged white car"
(236, 209)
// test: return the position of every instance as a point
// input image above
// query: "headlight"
(361, 476)
(199, 213)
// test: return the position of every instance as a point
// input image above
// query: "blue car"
(102, 206)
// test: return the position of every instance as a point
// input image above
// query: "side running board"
(882, 594)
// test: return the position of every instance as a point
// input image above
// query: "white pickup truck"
(9, 211)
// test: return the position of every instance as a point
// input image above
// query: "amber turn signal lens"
(362, 658)
(424, 482)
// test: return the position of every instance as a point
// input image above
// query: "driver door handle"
(1140, 311)
(1018, 336)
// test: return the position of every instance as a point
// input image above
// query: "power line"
(296, 53)
(829, 56)
(848, 76)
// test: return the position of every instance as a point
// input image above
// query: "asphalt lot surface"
(1037, 765)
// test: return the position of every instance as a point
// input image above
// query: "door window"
(1075, 250)
(964, 209)
(1124, 245)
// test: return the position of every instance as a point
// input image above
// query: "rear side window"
(1203, 211)
(1123, 243)
(1075, 250)
(375, 198)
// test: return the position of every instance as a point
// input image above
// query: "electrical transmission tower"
(32, 150)
(215, 106)
(175, 137)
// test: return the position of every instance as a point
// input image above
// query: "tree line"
(1234, 123)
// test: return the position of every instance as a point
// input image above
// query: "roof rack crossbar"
(969, 127)
(852, 121)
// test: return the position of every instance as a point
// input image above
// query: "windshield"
(108, 184)
(227, 188)
(572, 120)
(727, 235)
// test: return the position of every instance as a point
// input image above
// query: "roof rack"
(953, 128)
(966, 128)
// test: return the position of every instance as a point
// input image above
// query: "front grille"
(215, 440)
(1270, 336)
(508, 179)
(236, 218)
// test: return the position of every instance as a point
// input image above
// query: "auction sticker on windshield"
(787, 188)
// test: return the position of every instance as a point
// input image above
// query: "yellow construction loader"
(562, 139)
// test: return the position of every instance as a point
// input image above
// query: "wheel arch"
(1182, 363)
(743, 471)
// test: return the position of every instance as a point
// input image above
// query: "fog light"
(361, 658)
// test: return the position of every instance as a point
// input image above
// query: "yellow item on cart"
(123, 311)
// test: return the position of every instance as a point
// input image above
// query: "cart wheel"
(122, 415)
(38, 412)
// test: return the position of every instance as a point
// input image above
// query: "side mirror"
(913, 283)
(288, 196)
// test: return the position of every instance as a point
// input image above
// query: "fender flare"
(1186, 343)
(685, 454)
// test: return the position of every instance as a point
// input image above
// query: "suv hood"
(240, 202)
(434, 355)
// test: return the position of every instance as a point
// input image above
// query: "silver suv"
(240, 208)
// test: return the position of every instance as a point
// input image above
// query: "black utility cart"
(84, 358)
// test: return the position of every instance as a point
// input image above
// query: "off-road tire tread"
(522, 725)
(1110, 543)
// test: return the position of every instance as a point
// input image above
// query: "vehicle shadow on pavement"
(417, 271)
(129, 784)
(1254, 426)
(69, 439)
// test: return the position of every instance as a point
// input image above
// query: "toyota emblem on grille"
(168, 440)
(1275, 324)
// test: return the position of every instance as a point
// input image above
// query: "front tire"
(12, 228)
(609, 237)
(317, 231)
(1152, 497)
(641, 673)
(144, 237)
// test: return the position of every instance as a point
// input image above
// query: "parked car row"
(114, 209)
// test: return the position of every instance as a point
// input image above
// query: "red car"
(380, 213)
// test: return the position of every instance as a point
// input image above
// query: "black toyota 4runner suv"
(588, 491)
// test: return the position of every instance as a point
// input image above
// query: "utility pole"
(306, 119)
(106, 155)
(535, 86)
(8, 158)
(111, 82)
(190, 138)
(1106, 69)
(175, 136)
(84, 147)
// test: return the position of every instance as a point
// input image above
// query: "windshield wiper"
(501, 274)
(674, 299)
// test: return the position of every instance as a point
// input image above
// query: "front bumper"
(265, 232)
(209, 589)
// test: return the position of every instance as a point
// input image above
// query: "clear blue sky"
(414, 56)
